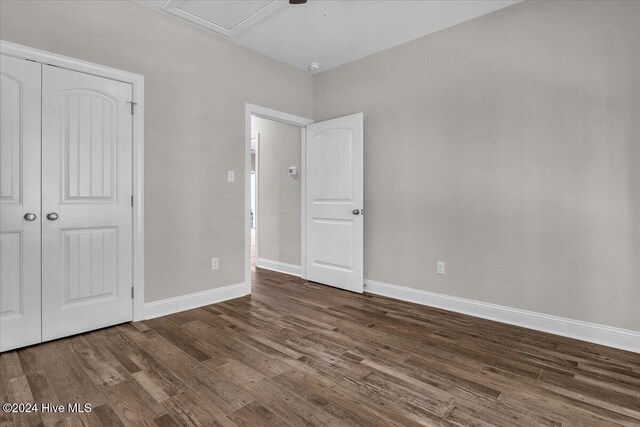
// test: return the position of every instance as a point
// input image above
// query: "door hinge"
(132, 292)
(131, 200)
(133, 104)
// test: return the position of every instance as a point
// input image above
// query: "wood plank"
(70, 382)
(43, 393)
(95, 362)
(6, 418)
(132, 404)
(256, 415)
(10, 365)
(163, 377)
(191, 409)
(107, 416)
(18, 391)
(291, 408)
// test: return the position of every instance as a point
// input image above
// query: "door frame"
(256, 135)
(278, 116)
(137, 84)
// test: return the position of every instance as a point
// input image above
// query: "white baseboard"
(600, 334)
(187, 302)
(280, 267)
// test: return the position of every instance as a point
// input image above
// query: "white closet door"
(19, 196)
(334, 202)
(86, 202)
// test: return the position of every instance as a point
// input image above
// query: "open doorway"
(274, 192)
(331, 191)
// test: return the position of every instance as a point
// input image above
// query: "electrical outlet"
(215, 264)
(440, 267)
(231, 176)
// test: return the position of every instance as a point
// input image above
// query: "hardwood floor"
(296, 353)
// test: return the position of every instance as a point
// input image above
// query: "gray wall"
(196, 87)
(506, 146)
(279, 194)
(509, 147)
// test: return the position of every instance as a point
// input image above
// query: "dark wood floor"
(296, 353)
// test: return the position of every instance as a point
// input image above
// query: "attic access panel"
(227, 18)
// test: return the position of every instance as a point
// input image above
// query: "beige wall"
(279, 194)
(196, 87)
(509, 147)
(506, 146)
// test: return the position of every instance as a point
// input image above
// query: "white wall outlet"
(440, 267)
(215, 264)
(231, 176)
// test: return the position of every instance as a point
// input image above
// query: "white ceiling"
(329, 32)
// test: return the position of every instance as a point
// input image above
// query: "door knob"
(52, 216)
(30, 216)
(356, 211)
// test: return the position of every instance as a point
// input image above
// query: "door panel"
(19, 194)
(334, 190)
(90, 261)
(333, 243)
(87, 182)
(89, 146)
(333, 166)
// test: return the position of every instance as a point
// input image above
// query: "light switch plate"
(231, 176)
(215, 263)
(440, 267)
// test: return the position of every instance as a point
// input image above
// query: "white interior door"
(19, 196)
(334, 202)
(86, 202)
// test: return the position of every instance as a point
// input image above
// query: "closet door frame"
(137, 83)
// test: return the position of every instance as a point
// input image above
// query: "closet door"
(86, 202)
(19, 203)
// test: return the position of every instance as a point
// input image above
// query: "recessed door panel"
(10, 141)
(333, 244)
(90, 262)
(11, 299)
(334, 223)
(333, 169)
(87, 185)
(19, 200)
(89, 146)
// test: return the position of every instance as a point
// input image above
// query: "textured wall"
(509, 147)
(196, 85)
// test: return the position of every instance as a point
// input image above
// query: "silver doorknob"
(356, 211)
(30, 216)
(52, 216)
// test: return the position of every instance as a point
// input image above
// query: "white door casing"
(19, 195)
(334, 202)
(87, 182)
